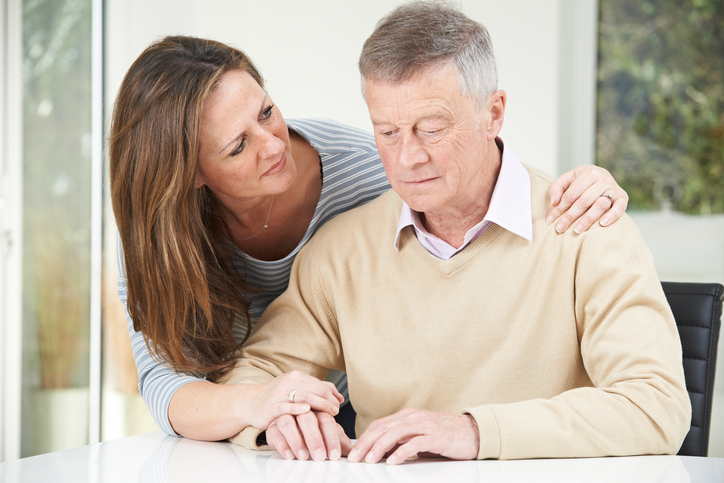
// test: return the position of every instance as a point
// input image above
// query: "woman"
(214, 194)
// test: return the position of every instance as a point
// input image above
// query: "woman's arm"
(578, 196)
(208, 411)
(189, 406)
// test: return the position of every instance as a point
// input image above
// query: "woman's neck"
(288, 214)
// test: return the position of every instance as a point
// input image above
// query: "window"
(661, 102)
(57, 146)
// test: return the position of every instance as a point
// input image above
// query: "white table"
(157, 458)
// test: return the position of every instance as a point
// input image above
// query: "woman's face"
(244, 143)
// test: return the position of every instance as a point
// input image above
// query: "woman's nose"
(270, 145)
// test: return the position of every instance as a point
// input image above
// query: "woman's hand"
(293, 393)
(578, 196)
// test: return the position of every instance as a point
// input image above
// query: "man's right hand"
(314, 433)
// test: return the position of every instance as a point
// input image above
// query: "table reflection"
(177, 460)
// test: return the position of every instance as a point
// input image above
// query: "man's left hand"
(412, 431)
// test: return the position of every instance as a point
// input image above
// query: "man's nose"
(411, 152)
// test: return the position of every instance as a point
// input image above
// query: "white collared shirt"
(510, 208)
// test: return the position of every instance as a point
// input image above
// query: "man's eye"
(239, 148)
(432, 135)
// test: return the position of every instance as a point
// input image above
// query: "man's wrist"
(475, 435)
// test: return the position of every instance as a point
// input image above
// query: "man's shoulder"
(375, 217)
(539, 179)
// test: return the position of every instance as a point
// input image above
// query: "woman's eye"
(239, 148)
(266, 113)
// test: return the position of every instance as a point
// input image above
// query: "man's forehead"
(414, 100)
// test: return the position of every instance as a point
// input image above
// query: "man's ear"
(495, 109)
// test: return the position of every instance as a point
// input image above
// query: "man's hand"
(577, 198)
(314, 434)
(291, 393)
(414, 431)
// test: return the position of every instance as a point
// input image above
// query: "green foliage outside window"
(661, 102)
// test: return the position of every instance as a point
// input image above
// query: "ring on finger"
(609, 196)
(291, 394)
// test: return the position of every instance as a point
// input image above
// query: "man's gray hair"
(419, 35)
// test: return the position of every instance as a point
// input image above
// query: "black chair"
(697, 308)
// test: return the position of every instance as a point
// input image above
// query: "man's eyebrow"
(263, 103)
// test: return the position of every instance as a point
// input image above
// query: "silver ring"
(290, 396)
(609, 196)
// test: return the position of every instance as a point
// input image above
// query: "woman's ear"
(199, 182)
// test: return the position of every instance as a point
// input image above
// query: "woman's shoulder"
(327, 135)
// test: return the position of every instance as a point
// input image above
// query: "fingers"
(314, 434)
(617, 210)
(316, 402)
(331, 435)
(289, 437)
(344, 441)
(559, 186)
(304, 384)
(276, 440)
(293, 393)
(411, 449)
(412, 431)
(379, 438)
(578, 201)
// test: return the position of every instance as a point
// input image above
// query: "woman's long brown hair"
(184, 291)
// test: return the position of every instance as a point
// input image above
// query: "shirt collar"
(510, 204)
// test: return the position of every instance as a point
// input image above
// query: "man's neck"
(451, 225)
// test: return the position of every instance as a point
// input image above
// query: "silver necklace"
(265, 223)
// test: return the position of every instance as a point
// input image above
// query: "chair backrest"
(697, 308)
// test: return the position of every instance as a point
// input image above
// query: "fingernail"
(319, 455)
(334, 455)
(550, 219)
(604, 221)
(303, 455)
(392, 460)
(289, 455)
(578, 229)
(370, 458)
(352, 456)
(560, 227)
(335, 410)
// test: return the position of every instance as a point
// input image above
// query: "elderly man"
(467, 329)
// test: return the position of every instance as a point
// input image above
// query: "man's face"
(433, 142)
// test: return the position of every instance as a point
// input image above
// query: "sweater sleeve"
(156, 382)
(632, 353)
(298, 331)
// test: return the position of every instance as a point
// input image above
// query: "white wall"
(308, 51)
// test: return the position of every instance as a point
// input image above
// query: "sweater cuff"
(489, 432)
(248, 438)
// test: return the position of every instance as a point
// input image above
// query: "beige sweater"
(562, 347)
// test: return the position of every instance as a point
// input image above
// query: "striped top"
(351, 176)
